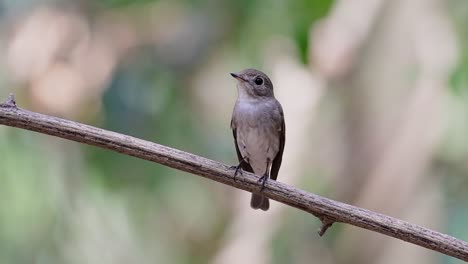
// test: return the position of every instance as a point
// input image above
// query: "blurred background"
(375, 95)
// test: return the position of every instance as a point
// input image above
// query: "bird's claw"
(263, 179)
(237, 171)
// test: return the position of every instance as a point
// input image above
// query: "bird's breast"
(257, 135)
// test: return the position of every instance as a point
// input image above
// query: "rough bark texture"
(328, 211)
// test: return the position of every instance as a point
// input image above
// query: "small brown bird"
(258, 128)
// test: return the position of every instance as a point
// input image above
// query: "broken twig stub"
(10, 102)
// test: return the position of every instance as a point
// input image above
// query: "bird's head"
(253, 83)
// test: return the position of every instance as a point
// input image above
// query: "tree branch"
(328, 211)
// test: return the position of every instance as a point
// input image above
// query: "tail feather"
(259, 202)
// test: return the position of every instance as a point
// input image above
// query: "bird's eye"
(258, 81)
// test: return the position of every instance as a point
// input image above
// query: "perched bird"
(258, 127)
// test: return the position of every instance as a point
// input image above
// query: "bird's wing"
(245, 166)
(275, 166)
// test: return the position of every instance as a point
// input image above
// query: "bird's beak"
(237, 76)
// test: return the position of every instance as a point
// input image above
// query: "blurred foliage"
(453, 157)
(63, 202)
(121, 3)
(306, 12)
(147, 98)
(459, 80)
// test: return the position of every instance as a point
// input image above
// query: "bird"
(259, 130)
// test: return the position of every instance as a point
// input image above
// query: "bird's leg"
(265, 176)
(238, 167)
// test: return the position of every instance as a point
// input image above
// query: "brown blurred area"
(375, 95)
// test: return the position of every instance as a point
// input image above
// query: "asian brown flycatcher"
(258, 128)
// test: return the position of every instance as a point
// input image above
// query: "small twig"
(327, 210)
(326, 223)
(10, 102)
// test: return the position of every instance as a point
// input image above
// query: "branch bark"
(328, 211)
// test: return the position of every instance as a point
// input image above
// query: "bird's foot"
(237, 171)
(263, 180)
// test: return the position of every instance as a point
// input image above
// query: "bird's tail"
(259, 202)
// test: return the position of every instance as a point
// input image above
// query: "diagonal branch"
(328, 211)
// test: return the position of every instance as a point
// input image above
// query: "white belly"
(259, 144)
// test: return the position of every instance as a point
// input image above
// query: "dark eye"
(258, 81)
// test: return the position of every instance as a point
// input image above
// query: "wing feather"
(245, 166)
(279, 157)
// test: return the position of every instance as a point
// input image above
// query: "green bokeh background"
(64, 202)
